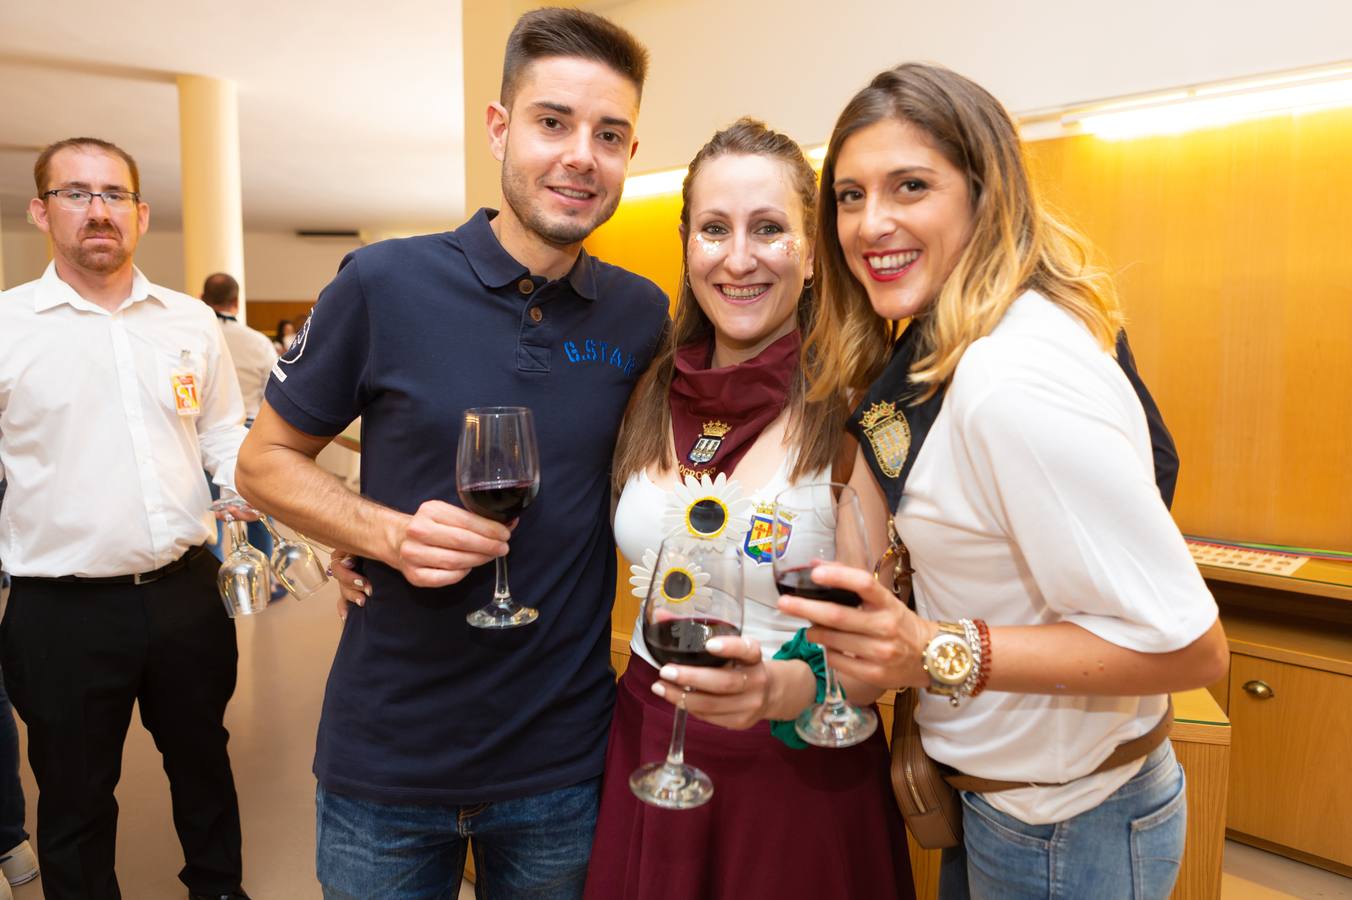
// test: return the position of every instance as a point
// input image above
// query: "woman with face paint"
(1056, 604)
(716, 428)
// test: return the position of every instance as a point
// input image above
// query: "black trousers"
(76, 657)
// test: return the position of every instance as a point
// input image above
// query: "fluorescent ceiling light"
(1212, 106)
(669, 181)
(652, 184)
(1167, 112)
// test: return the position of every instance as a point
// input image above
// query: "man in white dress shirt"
(115, 394)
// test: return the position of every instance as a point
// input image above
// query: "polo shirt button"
(525, 285)
(535, 314)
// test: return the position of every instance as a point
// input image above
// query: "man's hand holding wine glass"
(440, 543)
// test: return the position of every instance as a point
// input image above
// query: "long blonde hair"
(815, 425)
(1016, 244)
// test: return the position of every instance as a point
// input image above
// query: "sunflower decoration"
(682, 580)
(712, 509)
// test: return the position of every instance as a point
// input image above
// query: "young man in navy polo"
(432, 730)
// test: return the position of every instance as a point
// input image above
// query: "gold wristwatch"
(948, 660)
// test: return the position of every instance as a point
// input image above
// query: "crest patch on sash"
(888, 434)
(708, 442)
(759, 536)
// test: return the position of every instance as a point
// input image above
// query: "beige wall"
(281, 266)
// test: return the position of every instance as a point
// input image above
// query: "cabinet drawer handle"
(1259, 690)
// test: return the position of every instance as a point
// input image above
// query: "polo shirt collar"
(52, 292)
(497, 268)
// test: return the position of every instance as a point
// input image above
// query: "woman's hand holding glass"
(879, 642)
(736, 697)
(695, 597)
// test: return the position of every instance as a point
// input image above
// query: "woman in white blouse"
(1056, 602)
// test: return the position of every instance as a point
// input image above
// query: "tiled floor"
(284, 660)
(1253, 874)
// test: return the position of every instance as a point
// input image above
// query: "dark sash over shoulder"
(891, 428)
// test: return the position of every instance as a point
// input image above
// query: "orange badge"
(186, 400)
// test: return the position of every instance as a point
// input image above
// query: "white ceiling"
(350, 115)
(351, 110)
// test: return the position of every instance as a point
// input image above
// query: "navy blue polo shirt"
(421, 707)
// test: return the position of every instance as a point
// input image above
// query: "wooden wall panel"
(1230, 248)
(644, 237)
(265, 314)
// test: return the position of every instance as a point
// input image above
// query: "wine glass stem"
(676, 750)
(238, 535)
(267, 523)
(502, 595)
(835, 697)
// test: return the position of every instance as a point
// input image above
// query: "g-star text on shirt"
(593, 351)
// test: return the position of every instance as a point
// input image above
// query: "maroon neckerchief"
(716, 414)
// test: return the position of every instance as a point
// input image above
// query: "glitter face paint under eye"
(708, 245)
(791, 247)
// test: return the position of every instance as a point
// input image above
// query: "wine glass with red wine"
(497, 475)
(695, 595)
(816, 523)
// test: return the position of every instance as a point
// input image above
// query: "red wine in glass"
(682, 641)
(799, 583)
(501, 501)
(817, 523)
(694, 595)
(497, 475)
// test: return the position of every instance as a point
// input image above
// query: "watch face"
(948, 659)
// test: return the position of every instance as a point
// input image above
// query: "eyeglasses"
(70, 198)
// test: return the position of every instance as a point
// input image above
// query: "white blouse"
(1033, 501)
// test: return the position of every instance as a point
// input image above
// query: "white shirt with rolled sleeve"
(105, 476)
(1033, 501)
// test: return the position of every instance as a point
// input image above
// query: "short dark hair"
(220, 290)
(555, 31)
(42, 168)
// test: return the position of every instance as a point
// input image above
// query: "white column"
(213, 220)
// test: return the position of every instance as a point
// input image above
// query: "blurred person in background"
(285, 336)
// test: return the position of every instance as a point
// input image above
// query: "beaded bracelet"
(799, 647)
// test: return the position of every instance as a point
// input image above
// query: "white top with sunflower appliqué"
(647, 513)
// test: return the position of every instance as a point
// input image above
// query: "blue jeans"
(530, 848)
(1128, 847)
(11, 791)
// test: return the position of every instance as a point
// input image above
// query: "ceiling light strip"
(1173, 111)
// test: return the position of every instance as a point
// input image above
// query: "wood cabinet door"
(1291, 756)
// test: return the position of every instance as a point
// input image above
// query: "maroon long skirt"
(782, 823)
